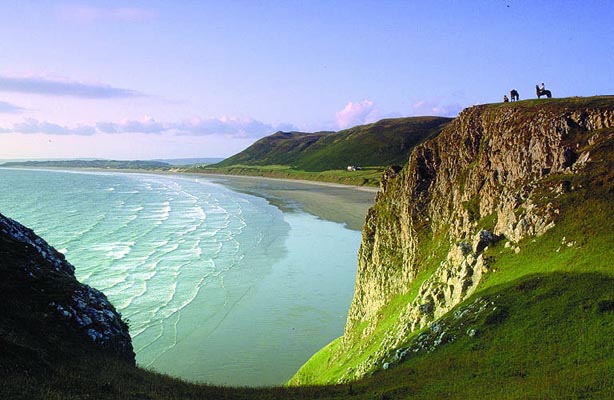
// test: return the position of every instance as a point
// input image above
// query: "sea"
(217, 285)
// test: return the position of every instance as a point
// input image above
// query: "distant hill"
(104, 164)
(190, 161)
(382, 143)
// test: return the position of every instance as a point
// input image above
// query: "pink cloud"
(62, 87)
(232, 127)
(363, 112)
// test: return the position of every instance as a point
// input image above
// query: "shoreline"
(335, 202)
(201, 288)
(371, 189)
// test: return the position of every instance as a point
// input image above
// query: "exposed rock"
(484, 239)
(445, 330)
(569, 157)
(36, 277)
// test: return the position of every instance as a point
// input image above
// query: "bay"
(220, 284)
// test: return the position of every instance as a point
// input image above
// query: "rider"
(543, 87)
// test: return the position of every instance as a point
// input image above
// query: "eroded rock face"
(37, 278)
(489, 164)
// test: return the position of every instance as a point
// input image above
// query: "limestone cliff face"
(473, 185)
(46, 312)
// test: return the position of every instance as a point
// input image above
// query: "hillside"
(386, 142)
(491, 247)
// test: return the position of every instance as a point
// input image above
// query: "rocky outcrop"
(44, 305)
(476, 183)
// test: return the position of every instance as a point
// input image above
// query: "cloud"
(233, 127)
(352, 114)
(9, 108)
(84, 14)
(52, 87)
(31, 125)
(435, 107)
(230, 126)
(145, 125)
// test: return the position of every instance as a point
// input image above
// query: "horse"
(514, 96)
(541, 93)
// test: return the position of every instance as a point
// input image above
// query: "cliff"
(498, 177)
(48, 317)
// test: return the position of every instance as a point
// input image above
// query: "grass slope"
(543, 336)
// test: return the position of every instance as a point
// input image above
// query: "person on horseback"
(542, 91)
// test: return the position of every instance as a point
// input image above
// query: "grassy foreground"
(550, 339)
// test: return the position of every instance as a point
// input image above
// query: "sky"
(173, 79)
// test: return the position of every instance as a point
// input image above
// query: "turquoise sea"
(218, 285)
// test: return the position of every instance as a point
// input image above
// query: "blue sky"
(122, 79)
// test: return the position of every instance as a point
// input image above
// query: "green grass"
(368, 176)
(553, 341)
(534, 103)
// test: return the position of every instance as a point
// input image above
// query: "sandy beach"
(347, 204)
(333, 202)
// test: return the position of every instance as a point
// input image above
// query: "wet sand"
(346, 204)
(329, 201)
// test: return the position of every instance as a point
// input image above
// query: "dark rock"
(36, 277)
(566, 186)
(426, 308)
(465, 248)
(605, 306)
(497, 315)
(485, 238)
(569, 157)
